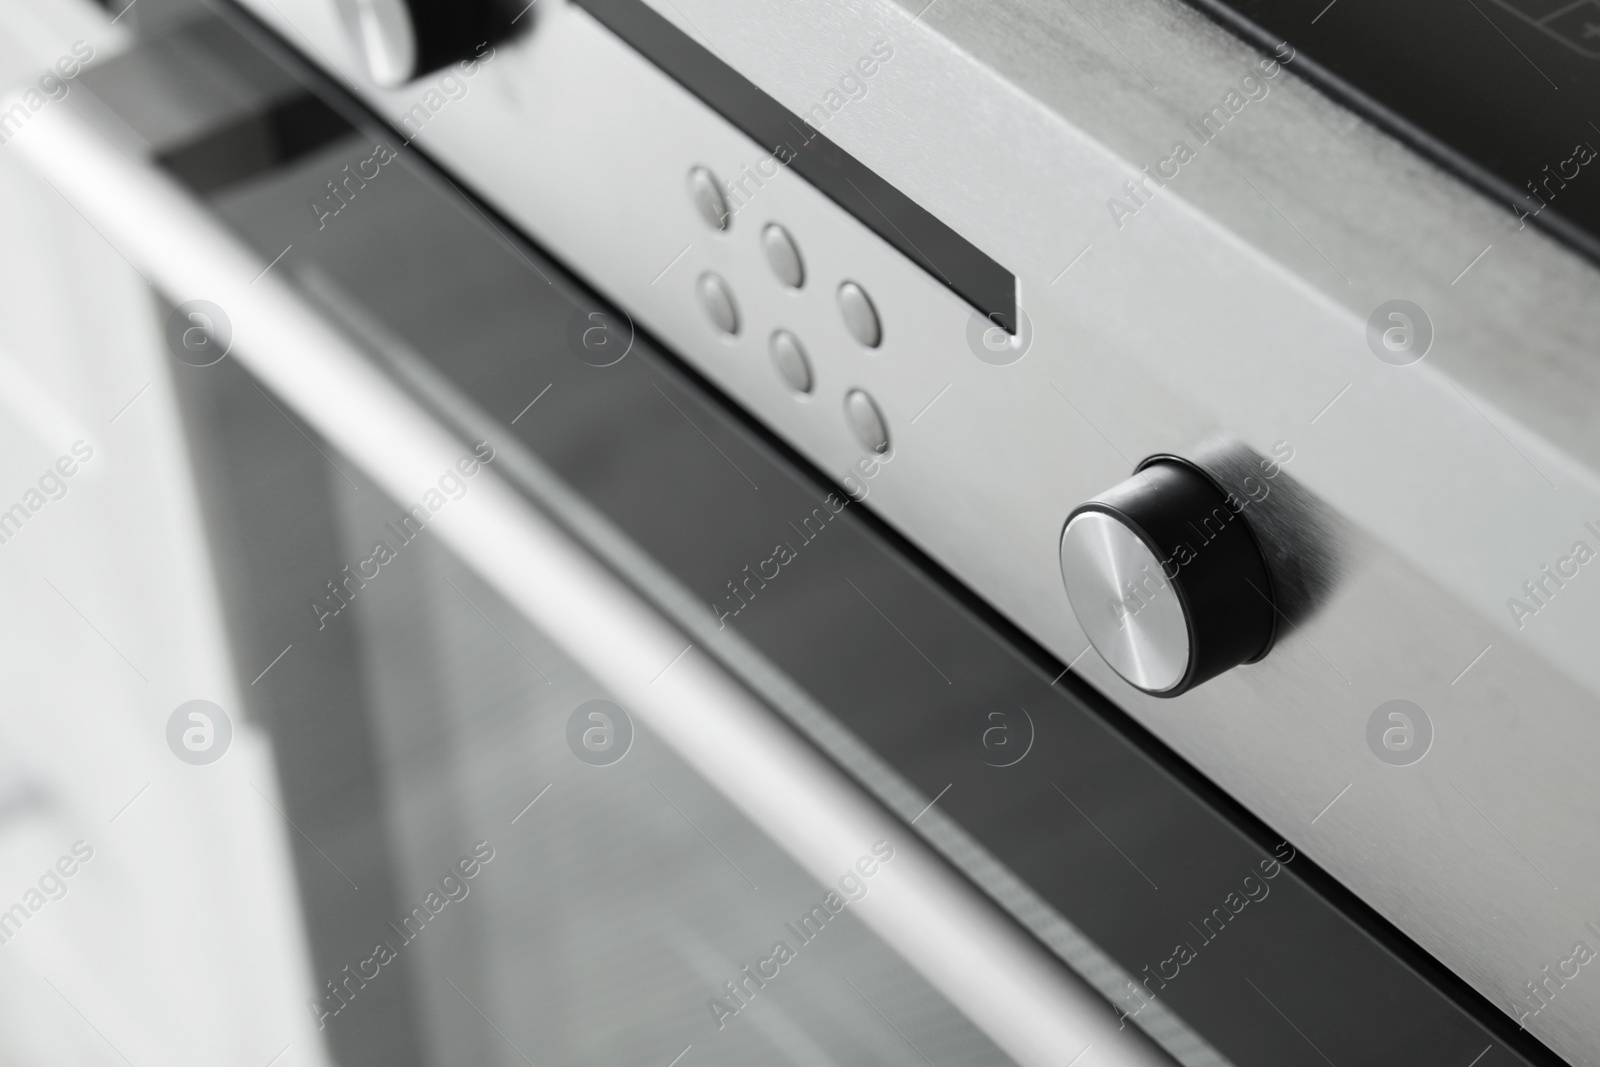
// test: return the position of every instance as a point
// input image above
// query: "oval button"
(790, 359)
(706, 192)
(717, 300)
(867, 421)
(860, 317)
(782, 255)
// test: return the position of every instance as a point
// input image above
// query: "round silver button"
(783, 256)
(717, 300)
(706, 192)
(790, 359)
(1126, 606)
(384, 36)
(867, 421)
(860, 317)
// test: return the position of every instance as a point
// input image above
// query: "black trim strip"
(1479, 164)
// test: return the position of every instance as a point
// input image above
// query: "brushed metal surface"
(1147, 643)
(1231, 302)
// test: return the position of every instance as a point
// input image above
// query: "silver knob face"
(1167, 578)
(1128, 609)
(385, 37)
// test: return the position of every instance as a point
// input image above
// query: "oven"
(687, 533)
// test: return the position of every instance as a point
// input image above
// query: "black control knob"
(1167, 578)
(401, 40)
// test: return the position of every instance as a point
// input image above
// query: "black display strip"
(1505, 94)
(845, 180)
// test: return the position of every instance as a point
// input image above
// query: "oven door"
(433, 668)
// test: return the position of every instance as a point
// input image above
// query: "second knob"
(401, 40)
